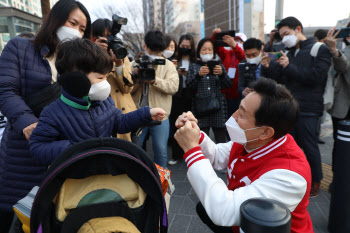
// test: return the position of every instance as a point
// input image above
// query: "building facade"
(245, 16)
(29, 6)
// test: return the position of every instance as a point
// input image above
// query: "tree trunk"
(45, 8)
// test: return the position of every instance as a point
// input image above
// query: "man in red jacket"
(262, 160)
(230, 59)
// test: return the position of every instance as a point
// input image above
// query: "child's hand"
(157, 114)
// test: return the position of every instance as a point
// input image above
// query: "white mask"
(255, 60)
(206, 57)
(239, 44)
(100, 91)
(228, 48)
(66, 33)
(236, 133)
(290, 41)
(151, 57)
(168, 53)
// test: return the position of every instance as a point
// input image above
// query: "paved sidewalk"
(182, 213)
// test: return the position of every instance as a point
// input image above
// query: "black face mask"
(185, 51)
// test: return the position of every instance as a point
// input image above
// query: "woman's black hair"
(99, 27)
(193, 57)
(82, 55)
(168, 39)
(201, 43)
(58, 16)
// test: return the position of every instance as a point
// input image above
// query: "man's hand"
(229, 40)
(157, 114)
(27, 131)
(204, 71)
(265, 61)
(188, 136)
(216, 30)
(217, 70)
(174, 61)
(284, 60)
(182, 119)
(331, 40)
(246, 91)
(102, 42)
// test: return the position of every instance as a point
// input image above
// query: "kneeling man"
(262, 160)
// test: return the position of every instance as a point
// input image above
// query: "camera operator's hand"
(157, 114)
(188, 136)
(265, 61)
(27, 131)
(183, 118)
(204, 71)
(217, 70)
(331, 40)
(118, 62)
(216, 30)
(229, 40)
(102, 42)
(246, 91)
(284, 60)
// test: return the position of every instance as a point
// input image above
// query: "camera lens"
(119, 51)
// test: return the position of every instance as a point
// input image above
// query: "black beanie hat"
(75, 83)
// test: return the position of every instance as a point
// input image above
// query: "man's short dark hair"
(290, 22)
(278, 108)
(84, 56)
(252, 43)
(320, 34)
(155, 41)
(26, 34)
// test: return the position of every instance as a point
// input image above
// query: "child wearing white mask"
(208, 82)
(85, 109)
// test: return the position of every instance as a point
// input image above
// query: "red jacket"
(231, 59)
(278, 170)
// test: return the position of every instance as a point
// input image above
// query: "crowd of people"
(66, 85)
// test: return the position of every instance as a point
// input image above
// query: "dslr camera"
(147, 72)
(248, 71)
(113, 41)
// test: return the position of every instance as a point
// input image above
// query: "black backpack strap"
(79, 216)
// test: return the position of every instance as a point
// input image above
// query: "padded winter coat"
(61, 125)
(23, 72)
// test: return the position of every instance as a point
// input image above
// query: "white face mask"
(206, 57)
(67, 33)
(255, 60)
(239, 44)
(236, 133)
(100, 91)
(290, 41)
(168, 53)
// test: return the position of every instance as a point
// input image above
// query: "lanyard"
(233, 63)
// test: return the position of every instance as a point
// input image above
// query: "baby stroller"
(104, 183)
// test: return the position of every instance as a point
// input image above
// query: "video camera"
(147, 72)
(113, 41)
(248, 71)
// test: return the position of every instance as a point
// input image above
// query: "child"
(85, 109)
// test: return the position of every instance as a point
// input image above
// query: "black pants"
(305, 134)
(335, 122)
(219, 133)
(207, 221)
(6, 218)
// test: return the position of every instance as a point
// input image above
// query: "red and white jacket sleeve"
(218, 154)
(223, 205)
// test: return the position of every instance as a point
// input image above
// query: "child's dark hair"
(84, 56)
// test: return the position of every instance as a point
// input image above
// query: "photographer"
(230, 59)
(275, 43)
(209, 103)
(182, 100)
(120, 76)
(157, 91)
(250, 69)
(305, 75)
